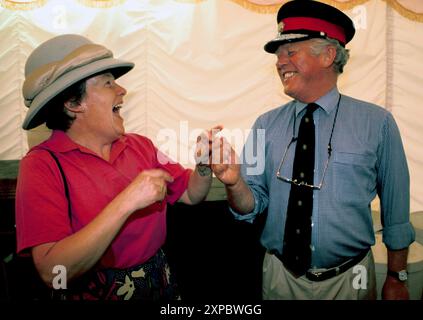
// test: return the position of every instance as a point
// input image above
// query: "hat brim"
(36, 117)
(274, 44)
(292, 36)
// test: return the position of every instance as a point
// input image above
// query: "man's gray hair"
(342, 54)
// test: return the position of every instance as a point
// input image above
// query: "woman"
(91, 200)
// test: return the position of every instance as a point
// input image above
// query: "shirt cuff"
(248, 217)
(398, 236)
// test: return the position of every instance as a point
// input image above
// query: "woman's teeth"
(116, 108)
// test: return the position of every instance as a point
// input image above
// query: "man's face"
(299, 69)
(103, 101)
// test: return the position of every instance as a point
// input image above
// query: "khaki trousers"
(357, 283)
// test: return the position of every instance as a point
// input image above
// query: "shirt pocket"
(354, 178)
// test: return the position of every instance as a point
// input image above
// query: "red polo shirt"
(42, 207)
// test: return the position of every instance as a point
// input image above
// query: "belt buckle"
(320, 275)
(316, 273)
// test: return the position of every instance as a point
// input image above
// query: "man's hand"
(225, 163)
(203, 150)
(393, 289)
(216, 152)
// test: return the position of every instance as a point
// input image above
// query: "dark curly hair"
(56, 115)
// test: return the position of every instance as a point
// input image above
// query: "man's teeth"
(288, 75)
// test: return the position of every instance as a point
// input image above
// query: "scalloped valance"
(410, 9)
(34, 4)
(22, 4)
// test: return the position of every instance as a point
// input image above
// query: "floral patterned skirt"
(150, 281)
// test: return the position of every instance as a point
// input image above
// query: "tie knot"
(311, 107)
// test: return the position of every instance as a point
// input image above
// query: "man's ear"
(329, 56)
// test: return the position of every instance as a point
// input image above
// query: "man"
(92, 198)
(326, 157)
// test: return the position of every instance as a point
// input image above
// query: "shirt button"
(298, 231)
(302, 174)
(300, 203)
(307, 119)
(304, 147)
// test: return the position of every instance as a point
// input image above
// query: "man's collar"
(327, 102)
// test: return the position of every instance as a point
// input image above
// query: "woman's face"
(103, 100)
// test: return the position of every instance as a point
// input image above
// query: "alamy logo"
(181, 146)
(360, 280)
(60, 280)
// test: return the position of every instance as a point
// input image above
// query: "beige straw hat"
(57, 64)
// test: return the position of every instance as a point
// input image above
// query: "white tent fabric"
(202, 63)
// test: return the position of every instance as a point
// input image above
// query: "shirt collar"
(327, 102)
(60, 142)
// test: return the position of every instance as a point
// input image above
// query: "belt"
(322, 275)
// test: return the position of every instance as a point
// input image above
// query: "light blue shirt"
(367, 159)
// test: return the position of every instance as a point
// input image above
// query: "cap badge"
(281, 25)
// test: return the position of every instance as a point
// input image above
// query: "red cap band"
(313, 24)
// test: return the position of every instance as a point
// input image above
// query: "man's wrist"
(233, 186)
(400, 276)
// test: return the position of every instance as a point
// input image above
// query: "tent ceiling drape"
(412, 9)
(201, 63)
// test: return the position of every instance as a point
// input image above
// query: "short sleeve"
(41, 204)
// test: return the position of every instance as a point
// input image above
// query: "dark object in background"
(21, 281)
(18, 278)
(214, 256)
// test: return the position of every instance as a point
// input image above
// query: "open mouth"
(288, 75)
(116, 108)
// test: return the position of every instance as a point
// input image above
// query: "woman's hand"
(148, 187)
